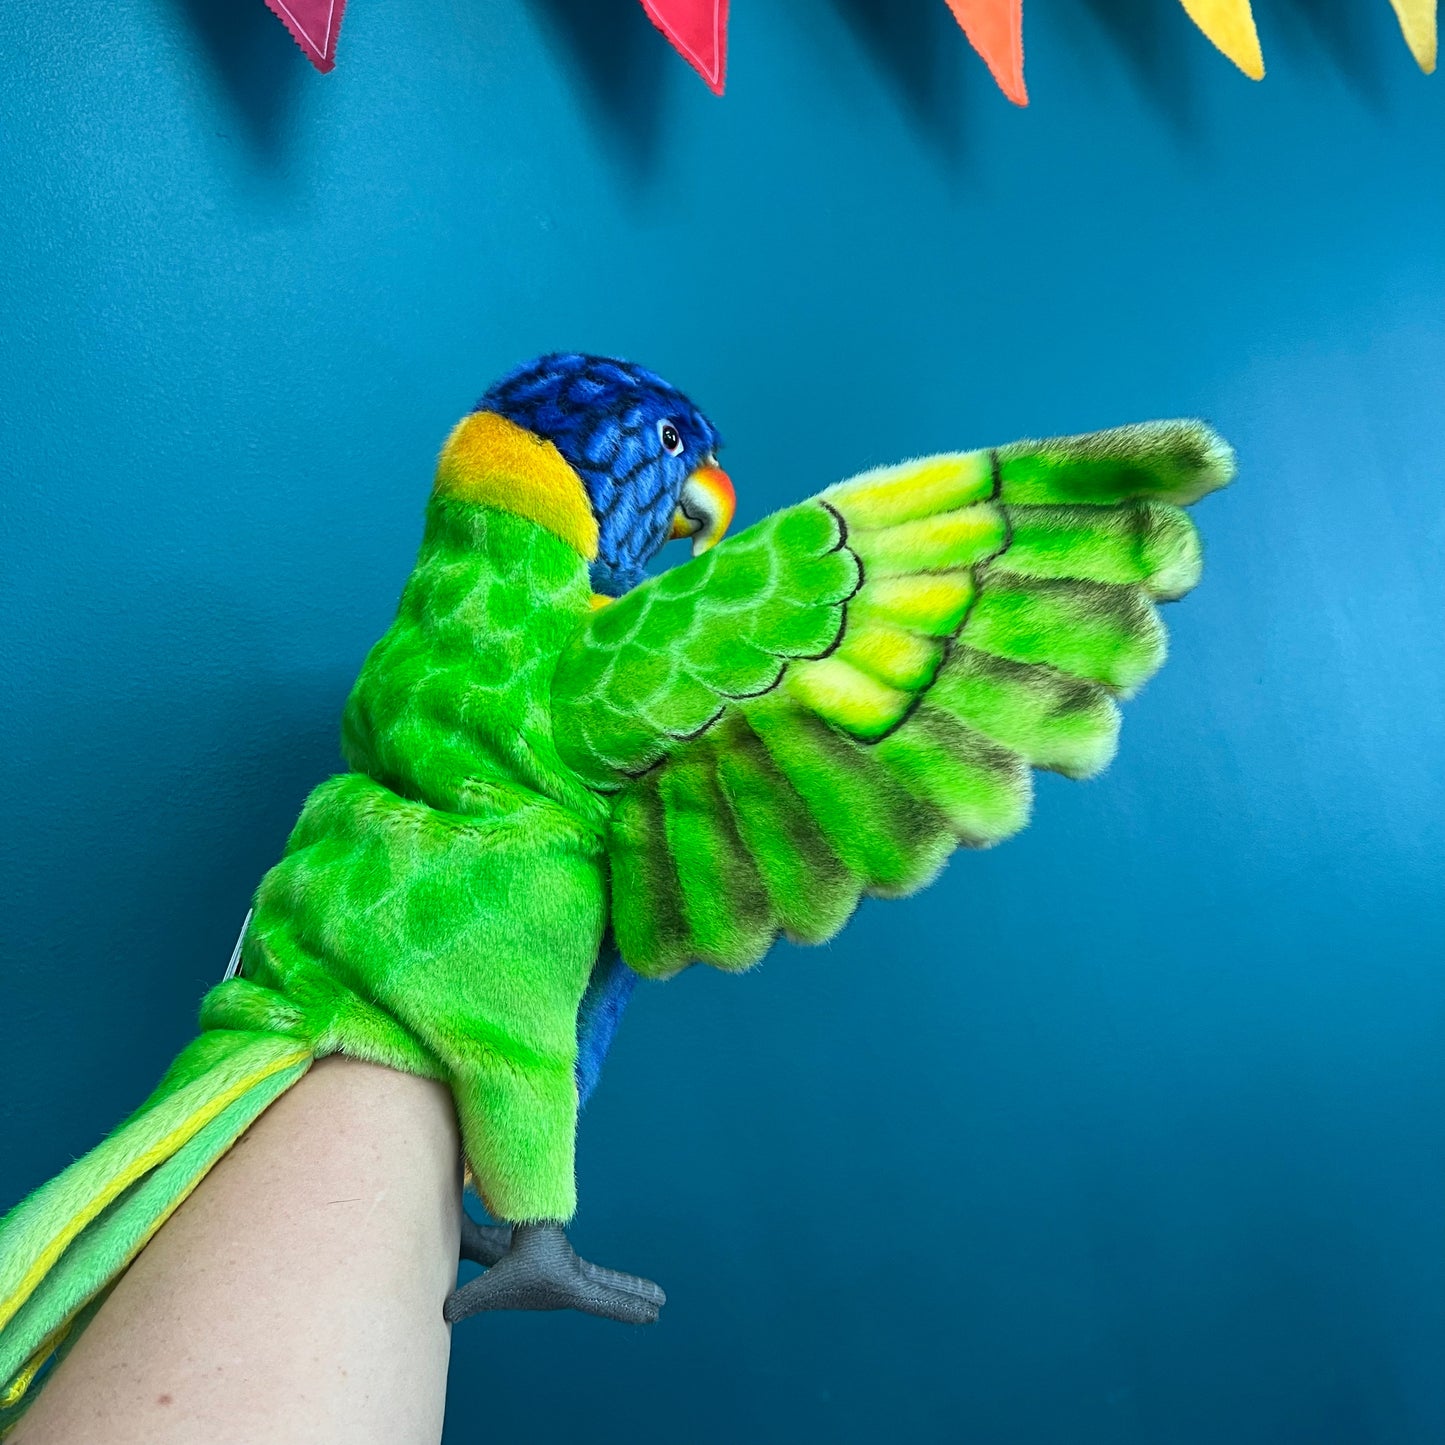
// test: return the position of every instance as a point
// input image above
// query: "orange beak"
(705, 508)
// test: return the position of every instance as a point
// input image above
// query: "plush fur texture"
(828, 704)
(605, 417)
(823, 707)
(608, 991)
(439, 910)
(74, 1235)
(491, 460)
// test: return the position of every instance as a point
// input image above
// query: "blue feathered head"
(646, 455)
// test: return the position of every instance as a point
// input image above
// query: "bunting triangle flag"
(995, 28)
(1417, 24)
(698, 30)
(314, 26)
(1230, 25)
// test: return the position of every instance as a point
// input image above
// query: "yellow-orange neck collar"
(493, 461)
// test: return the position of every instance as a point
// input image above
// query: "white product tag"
(234, 967)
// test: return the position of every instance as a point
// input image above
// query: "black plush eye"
(671, 440)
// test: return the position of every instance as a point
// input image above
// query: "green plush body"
(440, 909)
(820, 708)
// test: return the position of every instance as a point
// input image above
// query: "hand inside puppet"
(565, 774)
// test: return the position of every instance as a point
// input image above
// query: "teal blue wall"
(1129, 1133)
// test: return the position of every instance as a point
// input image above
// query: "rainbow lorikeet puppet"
(565, 774)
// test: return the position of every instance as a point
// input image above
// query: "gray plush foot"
(541, 1271)
(484, 1244)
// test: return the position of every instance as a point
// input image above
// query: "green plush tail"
(65, 1245)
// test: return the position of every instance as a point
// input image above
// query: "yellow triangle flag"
(1230, 25)
(1417, 22)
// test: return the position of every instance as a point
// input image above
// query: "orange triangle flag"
(995, 28)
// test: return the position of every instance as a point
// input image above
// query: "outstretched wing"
(830, 702)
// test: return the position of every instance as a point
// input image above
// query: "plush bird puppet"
(565, 774)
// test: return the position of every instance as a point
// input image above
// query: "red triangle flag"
(995, 28)
(698, 30)
(314, 25)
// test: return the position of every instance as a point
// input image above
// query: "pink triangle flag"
(698, 30)
(314, 25)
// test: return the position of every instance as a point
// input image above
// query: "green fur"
(920, 545)
(995, 610)
(10, 1414)
(1108, 634)
(810, 890)
(1049, 719)
(821, 708)
(440, 916)
(883, 834)
(723, 896)
(104, 1250)
(100, 1238)
(982, 789)
(1169, 461)
(454, 701)
(451, 945)
(646, 902)
(654, 665)
(33, 1223)
(1152, 543)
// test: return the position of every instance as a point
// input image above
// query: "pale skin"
(296, 1297)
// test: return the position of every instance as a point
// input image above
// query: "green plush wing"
(829, 703)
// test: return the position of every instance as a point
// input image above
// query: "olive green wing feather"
(829, 703)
